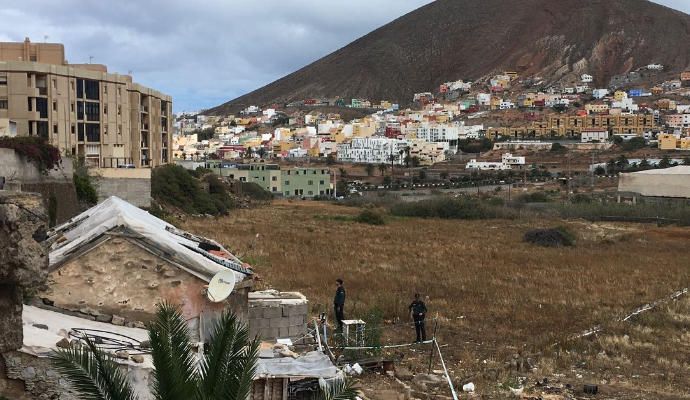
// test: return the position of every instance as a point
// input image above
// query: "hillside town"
(504, 108)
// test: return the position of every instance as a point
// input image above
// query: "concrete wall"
(132, 185)
(656, 183)
(271, 320)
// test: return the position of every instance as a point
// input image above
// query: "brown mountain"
(469, 39)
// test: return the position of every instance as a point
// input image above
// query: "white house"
(590, 135)
(487, 165)
(510, 159)
(431, 132)
(374, 150)
(483, 99)
(600, 93)
(507, 105)
(586, 78)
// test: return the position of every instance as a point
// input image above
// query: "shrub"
(635, 143)
(35, 149)
(86, 192)
(554, 237)
(446, 208)
(536, 197)
(174, 186)
(370, 217)
(581, 198)
(255, 192)
(558, 148)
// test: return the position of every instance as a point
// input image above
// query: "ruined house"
(115, 262)
(112, 264)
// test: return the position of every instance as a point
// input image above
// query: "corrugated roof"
(179, 247)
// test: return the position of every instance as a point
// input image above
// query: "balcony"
(144, 109)
(117, 162)
(144, 127)
(144, 145)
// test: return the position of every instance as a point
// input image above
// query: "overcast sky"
(203, 52)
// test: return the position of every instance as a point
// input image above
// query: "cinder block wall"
(272, 320)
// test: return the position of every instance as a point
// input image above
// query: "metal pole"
(433, 339)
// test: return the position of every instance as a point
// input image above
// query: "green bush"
(255, 191)
(536, 197)
(174, 186)
(370, 217)
(558, 148)
(86, 192)
(35, 149)
(447, 208)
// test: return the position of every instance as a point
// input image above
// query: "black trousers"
(339, 314)
(420, 329)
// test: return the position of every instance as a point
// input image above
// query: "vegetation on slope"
(174, 186)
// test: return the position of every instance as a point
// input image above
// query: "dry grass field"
(494, 294)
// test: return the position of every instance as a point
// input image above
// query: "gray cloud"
(207, 51)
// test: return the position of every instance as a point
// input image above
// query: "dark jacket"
(418, 308)
(339, 298)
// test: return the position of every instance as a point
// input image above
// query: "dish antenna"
(221, 286)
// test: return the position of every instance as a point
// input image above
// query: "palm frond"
(337, 389)
(93, 374)
(227, 369)
(175, 376)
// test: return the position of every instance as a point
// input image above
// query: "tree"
(343, 173)
(382, 168)
(686, 161)
(224, 371)
(622, 162)
(443, 175)
(665, 162)
(414, 161)
(261, 152)
(369, 168)
(599, 171)
(330, 159)
(422, 175)
(644, 164)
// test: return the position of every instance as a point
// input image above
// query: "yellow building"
(668, 142)
(685, 143)
(620, 95)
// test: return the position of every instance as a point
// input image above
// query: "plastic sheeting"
(312, 365)
(669, 182)
(115, 212)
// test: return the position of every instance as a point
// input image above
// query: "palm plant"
(225, 370)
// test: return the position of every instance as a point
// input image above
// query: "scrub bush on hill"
(174, 186)
(446, 208)
(556, 237)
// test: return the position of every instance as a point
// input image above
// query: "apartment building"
(374, 150)
(83, 109)
(287, 182)
(558, 125)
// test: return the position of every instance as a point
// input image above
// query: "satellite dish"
(221, 286)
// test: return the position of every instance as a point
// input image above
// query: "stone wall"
(274, 315)
(23, 261)
(23, 266)
(120, 282)
(55, 185)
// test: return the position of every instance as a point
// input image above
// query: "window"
(3, 79)
(310, 183)
(33, 58)
(55, 128)
(119, 129)
(310, 193)
(3, 104)
(105, 109)
(119, 110)
(321, 183)
(274, 178)
(105, 89)
(287, 182)
(313, 172)
(72, 129)
(119, 91)
(54, 105)
(287, 172)
(54, 83)
(274, 189)
(71, 107)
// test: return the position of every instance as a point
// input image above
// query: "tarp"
(310, 365)
(668, 182)
(115, 212)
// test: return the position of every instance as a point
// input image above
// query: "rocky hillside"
(468, 39)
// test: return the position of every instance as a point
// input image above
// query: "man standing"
(418, 312)
(339, 303)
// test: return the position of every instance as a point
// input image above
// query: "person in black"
(418, 312)
(339, 303)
